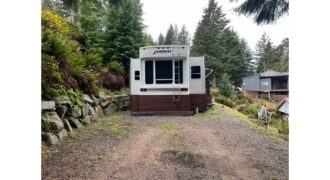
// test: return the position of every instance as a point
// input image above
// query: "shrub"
(93, 60)
(225, 86)
(111, 81)
(250, 111)
(223, 100)
(283, 127)
(115, 67)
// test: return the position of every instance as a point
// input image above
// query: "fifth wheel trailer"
(165, 80)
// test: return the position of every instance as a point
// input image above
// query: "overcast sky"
(159, 14)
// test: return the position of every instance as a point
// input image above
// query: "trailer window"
(149, 72)
(178, 72)
(137, 75)
(164, 72)
(195, 72)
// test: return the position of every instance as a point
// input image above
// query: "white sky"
(159, 14)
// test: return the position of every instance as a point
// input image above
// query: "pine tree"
(183, 37)
(161, 39)
(260, 52)
(171, 35)
(124, 31)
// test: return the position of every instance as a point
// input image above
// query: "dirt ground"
(214, 145)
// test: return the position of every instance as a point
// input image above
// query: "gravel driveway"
(215, 145)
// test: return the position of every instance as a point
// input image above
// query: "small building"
(270, 84)
(283, 108)
(164, 79)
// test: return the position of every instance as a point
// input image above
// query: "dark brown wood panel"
(199, 100)
(152, 103)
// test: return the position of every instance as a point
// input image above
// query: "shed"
(283, 107)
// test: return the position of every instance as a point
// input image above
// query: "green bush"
(250, 111)
(283, 127)
(223, 100)
(225, 86)
(75, 96)
(115, 67)
(93, 60)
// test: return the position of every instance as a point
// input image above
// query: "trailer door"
(197, 75)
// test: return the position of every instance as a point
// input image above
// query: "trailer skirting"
(163, 103)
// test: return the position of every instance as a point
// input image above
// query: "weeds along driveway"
(214, 145)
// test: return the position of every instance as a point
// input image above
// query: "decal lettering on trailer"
(162, 51)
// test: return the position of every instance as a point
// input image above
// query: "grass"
(211, 112)
(171, 134)
(272, 129)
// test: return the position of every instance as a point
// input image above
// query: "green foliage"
(161, 39)
(115, 67)
(93, 60)
(183, 36)
(225, 86)
(124, 31)
(171, 35)
(271, 57)
(75, 96)
(250, 111)
(224, 51)
(225, 101)
(264, 11)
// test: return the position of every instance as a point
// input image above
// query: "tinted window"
(137, 75)
(164, 72)
(149, 72)
(195, 72)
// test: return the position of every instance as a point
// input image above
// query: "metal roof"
(271, 73)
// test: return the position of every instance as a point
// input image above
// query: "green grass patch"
(172, 135)
(211, 112)
(111, 123)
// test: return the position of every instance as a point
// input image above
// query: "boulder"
(99, 111)
(67, 125)
(48, 105)
(75, 112)
(49, 138)
(51, 122)
(112, 108)
(103, 97)
(88, 110)
(61, 135)
(96, 101)
(105, 104)
(88, 99)
(63, 100)
(61, 110)
(74, 122)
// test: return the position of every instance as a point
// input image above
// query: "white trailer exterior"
(165, 79)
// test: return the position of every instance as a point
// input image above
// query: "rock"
(104, 97)
(63, 100)
(105, 104)
(99, 111)
(48, 105)
(86, 120)
(67, 125)
(110, 109)
(76, 112)
(51, 122)
(88, 110)
(49, 138)
(61, 110)
(74, 122)
(87, 99)
(96, 101)
(62, 134)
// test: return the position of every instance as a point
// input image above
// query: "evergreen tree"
(260, 52)
(248, 58)
(161, 39)
(148, 41)
(183, 37)
(171, 35)
(226, 89)
(124, 31)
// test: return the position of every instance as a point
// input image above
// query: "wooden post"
(269, 96)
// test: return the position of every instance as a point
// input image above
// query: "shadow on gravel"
(186, 159)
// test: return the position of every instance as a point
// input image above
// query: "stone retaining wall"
(59, 116)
